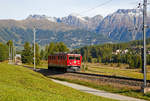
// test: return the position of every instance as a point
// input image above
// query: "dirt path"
(97, 92)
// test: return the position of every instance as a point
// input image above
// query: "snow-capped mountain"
(82, 22)
(130, 12)
(78, 17)
(41, 17)
(74, 20)
(122, 25)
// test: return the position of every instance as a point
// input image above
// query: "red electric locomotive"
(65, 61)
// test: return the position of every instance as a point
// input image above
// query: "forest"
(121, 53)
(126, 53)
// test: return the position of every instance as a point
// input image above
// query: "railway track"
(115, 80)
(98, 77)
(109, 76)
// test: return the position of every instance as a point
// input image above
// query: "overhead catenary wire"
(100, 5)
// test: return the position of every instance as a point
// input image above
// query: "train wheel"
(49, 68)
(65, 70)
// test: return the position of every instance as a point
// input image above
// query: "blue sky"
(20, 9)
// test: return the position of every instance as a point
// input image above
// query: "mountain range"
(74, 30)
(73, 20)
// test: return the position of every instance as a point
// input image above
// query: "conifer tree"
(3, 52)
(27, 54)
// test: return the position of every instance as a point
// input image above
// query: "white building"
(18, 59)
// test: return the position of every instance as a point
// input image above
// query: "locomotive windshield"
(74, 58)
(77, 58)
(71, 57)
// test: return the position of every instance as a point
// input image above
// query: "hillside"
(21, 84)
(21, 31)
(46, 32)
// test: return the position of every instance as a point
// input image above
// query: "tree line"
(5, 50)
(27, 54)
(107, 53)
(41, 54)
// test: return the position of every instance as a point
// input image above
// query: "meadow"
(18, 83)
(115, 70)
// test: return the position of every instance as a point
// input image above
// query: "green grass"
(43, 65)
(21, 84)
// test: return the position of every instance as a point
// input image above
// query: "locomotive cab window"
(71, 57)
(77, 58)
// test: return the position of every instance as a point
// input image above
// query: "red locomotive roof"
(66, 54)
(74, 54)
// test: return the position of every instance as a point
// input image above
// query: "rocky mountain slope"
(123, 25)
(82, 22)
(74, 20)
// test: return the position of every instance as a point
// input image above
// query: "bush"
(118, 65)
(106, 63)
(111, 65)
(94, 60)
(84, 67)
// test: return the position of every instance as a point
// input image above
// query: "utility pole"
(144, 39)
(13, 53)
(9, 54)
(34, 32)
(145, 89)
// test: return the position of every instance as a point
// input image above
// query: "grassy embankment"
(110, 87)
(21, 84)
(42, 65)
